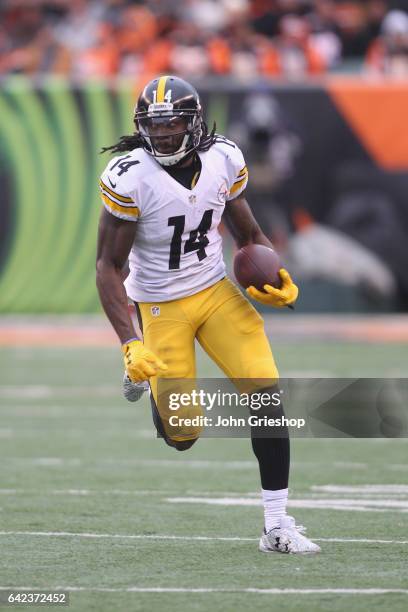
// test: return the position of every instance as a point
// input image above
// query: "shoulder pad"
(117, 184)
(237, 168)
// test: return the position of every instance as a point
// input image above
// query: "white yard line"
(367, 496)
(47, 391)
(250, 590)
(64, 534)
(193, 463)
(355, 505)
(76, 461)
(121, 432)
(346, 465)
(6, 432)
(43, 461)
(360, 541)
(86, 492)
(184, 463)
(125, 492)
(365, 489)
(362, 503)
(398, 467)
(120, 536)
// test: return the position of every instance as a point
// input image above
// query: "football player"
(164, 196)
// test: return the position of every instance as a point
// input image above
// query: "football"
(257, 265)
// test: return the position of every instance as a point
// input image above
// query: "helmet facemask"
(169, 134)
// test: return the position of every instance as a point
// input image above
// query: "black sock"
(272, 449)
(273, 456)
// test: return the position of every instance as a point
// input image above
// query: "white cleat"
(134, 391)
(287, 538)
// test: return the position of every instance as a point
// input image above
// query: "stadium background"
(305, 88)
(316, 95)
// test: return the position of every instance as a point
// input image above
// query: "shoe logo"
(112, 184)
(155, 310)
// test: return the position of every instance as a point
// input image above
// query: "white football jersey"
(177, 249)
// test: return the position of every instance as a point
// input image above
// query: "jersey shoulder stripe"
(242, 173)
(119, 186)
(239, 185)
(235, 163)
(129, 213)
(115, 195)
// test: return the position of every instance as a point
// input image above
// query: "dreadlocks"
(135, 141)
(125, 143)
(207, 139)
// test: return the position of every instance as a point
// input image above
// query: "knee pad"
(181, 445)
(183, 424)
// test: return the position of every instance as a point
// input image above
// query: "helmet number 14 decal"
(166, 97)
(197, 241)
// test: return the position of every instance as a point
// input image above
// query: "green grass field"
(90, 500)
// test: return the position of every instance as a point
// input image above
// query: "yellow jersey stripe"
(244, 169)
(195, 179)
(238, 185)
(103, 192)
(161, 89)
(124, 210)
(241, 176)
(115, 195)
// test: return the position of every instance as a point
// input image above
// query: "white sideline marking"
(44, 492)
(252, 590)
(361, 540)
(359, 505)
(77, 411)
(398, 466)
(132, 432)
(47, 391)
(362, 495)
(315, 500)
(46, 461)
(183, 463)
(26, 391)
(64, 534)
(385, 489)
(192, 463)
(349, 464)
(84, 492)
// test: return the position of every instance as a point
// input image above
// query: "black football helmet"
(168, 117)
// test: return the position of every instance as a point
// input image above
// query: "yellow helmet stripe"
(161, 89)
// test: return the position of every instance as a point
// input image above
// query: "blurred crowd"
(240, 38)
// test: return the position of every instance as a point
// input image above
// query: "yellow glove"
(271, 296)
(140, 363)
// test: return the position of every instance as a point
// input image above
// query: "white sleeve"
(239, 173)
(116, 198)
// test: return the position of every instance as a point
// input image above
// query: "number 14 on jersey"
(197, 241)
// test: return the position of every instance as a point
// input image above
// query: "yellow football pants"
(228, 328)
